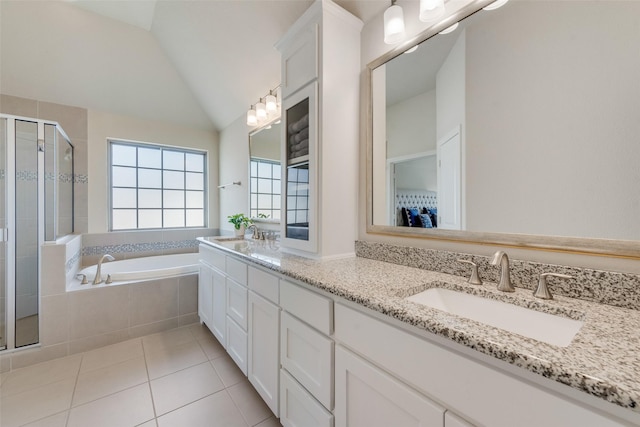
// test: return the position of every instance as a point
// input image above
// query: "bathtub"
(138, 269)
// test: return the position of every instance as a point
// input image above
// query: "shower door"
(3, 228)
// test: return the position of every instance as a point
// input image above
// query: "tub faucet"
(505, 279)
(98, 279)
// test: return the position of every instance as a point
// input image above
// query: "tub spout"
(98, 279)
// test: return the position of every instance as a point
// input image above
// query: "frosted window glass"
(173, 160)
(264, 170)
(149, 199)
(149, 157)
(195, 199)
(123, 198)
(124, 219)
(173, 179)
(254, 168)
(264, 185)
(123, 155)
(277, 186)
(195, 218)
(173, 199)
(264, 201)
(173, 218)
(150, 218)
(149, 178)
(195, 162)
(195, 181)
(123, 177)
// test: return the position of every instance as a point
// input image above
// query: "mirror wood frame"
(573, 245)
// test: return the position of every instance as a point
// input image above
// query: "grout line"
(75, 386)
(146, 367)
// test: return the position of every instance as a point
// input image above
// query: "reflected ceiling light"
(450, 29)
(413, 49)
(261, 110)
(430, 10)
(393, 24)
(496, 4)
(271, 103)
(252, 120)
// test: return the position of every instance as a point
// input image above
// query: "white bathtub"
(146, 268)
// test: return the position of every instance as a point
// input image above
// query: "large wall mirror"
(265, 173)
(520, 127)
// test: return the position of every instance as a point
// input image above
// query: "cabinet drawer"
(298, 408)
(237, 270)
(300, 61)
(264, 284)
(312, 308)
(212, 257)
(308, 356)
(237, 303)
(237, 344)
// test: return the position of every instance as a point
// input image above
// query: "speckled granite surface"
(602, 360)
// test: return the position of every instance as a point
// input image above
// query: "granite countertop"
(602, 360)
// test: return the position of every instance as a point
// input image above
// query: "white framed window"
(265, 188)
(155, 186)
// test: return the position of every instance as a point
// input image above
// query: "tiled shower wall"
(74, 122)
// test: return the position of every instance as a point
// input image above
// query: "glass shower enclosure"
(36, 205)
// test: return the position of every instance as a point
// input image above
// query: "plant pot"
(240, 231)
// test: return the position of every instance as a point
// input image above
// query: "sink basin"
(545, 327)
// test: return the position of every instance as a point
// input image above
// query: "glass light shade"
(272, 103)
(450, 29)
(252, 120)
(261, 111)
(496, 4)
(430, 10)
(411, 50)
(393, 24)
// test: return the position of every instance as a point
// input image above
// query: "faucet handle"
(542, 291)
(83, 278)
(475, 277)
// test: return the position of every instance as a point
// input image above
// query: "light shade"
(393, 24)
(496, 4)
(450, 29)
(271, 103)
(430, 10)
(252, 120)
(261, 111)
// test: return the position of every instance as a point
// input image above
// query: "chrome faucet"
(256, 233)
(505, 278)
(98, 279)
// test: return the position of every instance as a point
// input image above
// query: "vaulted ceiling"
(196, 62)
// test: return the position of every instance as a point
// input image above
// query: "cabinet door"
(237, 303)
(368, 397)
(264, 349)
(298, 408)
(300, 60)
(205, 295)
(219, 314)
(451, 420)
(237, 344)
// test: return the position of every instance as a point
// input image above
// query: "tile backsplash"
(617, 289)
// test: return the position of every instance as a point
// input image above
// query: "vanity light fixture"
(430, 10)
(261, 110)
(412, 49)
(393, 24)
(496, 4)
(271, 103)
(252, 119)
(450, 29)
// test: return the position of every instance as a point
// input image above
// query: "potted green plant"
(240, 222)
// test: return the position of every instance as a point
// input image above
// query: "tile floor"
(178, 378)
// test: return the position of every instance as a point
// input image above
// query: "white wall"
(234, 166)
(103, 125)
(411, 125)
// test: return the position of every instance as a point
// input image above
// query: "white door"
(368, 397)
(450, 181)
(205, 295)
(219, 314)
(264, 349)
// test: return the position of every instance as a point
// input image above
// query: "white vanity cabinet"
(205, 294)
(264, 337)
(321, 92)
(306, 356)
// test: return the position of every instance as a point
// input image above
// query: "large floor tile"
(251, 405)
(227, 370)
(167, 339)
(127, 408)
(175, 390)
(57, 420)
(35, 376)
(151, 423)
(211, 346)
(111, 354)
(271, 422)
(35, 404)
(169, 360)
(217, 409)
(102, 382)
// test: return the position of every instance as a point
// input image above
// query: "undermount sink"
(545, 327)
